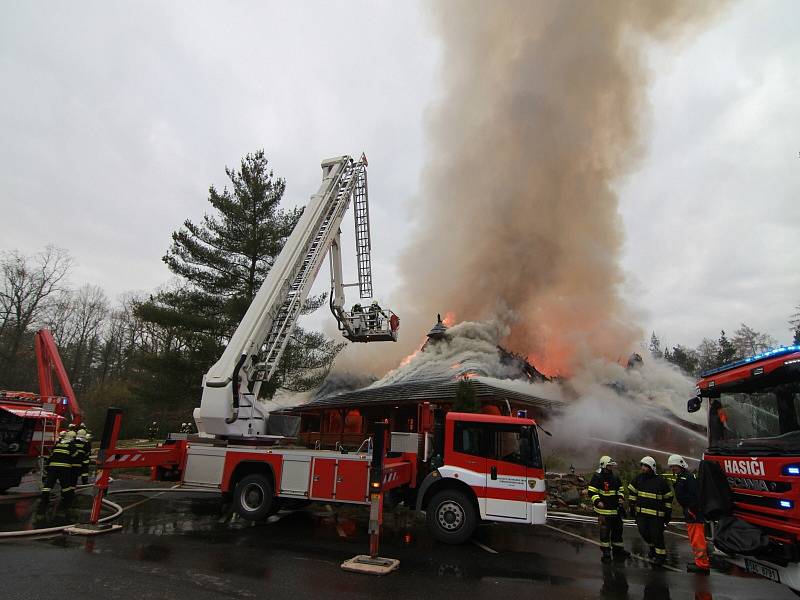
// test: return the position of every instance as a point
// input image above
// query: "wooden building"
(346, 419)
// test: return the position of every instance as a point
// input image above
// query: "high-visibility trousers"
(611, 531)
(63, 476)
(652, 531)
(697, 538)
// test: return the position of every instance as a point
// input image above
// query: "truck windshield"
(759, 421)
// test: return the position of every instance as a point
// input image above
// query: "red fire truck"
(460, 468)
(754, 435)
(29, 423)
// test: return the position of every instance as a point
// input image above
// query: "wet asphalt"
(191, 546)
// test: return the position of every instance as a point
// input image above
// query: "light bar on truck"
(786, 503)
(767, 354)
(791, 470)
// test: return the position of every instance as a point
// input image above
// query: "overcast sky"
(116, 117)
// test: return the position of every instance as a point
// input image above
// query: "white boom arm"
(229, 406)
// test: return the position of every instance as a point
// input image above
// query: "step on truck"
(754, 436)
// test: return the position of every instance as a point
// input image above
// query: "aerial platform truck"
(459, 468)
(30, 422)
(754, 436)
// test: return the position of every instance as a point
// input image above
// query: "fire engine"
(754, 435)
(29, 423)
(459, 468)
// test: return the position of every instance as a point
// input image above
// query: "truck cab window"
(513, 444)
(470, 438)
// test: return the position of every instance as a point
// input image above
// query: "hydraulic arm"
(229, 405)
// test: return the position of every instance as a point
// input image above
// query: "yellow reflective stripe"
(58, 464)
(649, 511)
(595, 498)
(605, 511)
(669, 494)
(650, 495)
(632, 489)
(591, 488)
(661, 551)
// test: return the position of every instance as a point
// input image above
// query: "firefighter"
(686, 494)
(59, 470)
(78, 455)
(650, 499)
(152, 431)
(607, 495)
(84, 450)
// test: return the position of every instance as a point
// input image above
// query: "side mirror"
(694, 404)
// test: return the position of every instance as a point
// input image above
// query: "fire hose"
(592, 520)
(118, 510)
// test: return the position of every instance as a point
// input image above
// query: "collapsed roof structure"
(345, 418)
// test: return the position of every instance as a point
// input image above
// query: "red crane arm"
(47, 361)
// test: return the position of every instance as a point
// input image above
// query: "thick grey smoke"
(543, 109)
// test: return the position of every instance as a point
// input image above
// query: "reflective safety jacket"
(81, 454)
(686, 495)
(83, 449)
(607, 488)
(650, 495)
(62, 454)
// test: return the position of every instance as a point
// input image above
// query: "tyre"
(451, 517)
(253, 497)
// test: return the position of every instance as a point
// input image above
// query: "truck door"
(469, 454)
(506, 473)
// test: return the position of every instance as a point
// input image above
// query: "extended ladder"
(363, 246)
(289, 311)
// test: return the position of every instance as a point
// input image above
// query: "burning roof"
(413, 392)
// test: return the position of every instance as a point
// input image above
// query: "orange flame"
(409, 358)
(449, 319)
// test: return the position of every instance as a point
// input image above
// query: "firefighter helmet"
(607, 461)
(69, 436)
(649, 461)
(676, 460)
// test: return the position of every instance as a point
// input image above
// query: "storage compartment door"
(352, 480)
(323, 474)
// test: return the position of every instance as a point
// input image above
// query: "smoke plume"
(543, 109)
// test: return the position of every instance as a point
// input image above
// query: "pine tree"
(222, 263)
(727, 351)
(794, 321)
(655, 346)
(686, 359)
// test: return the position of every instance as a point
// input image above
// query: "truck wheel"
(451, 517)
(253, 497)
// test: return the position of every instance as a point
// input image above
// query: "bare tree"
(89, 310)
(707, 352)
(748, 341)
(27, 284)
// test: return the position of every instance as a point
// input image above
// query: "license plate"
(763, 570)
